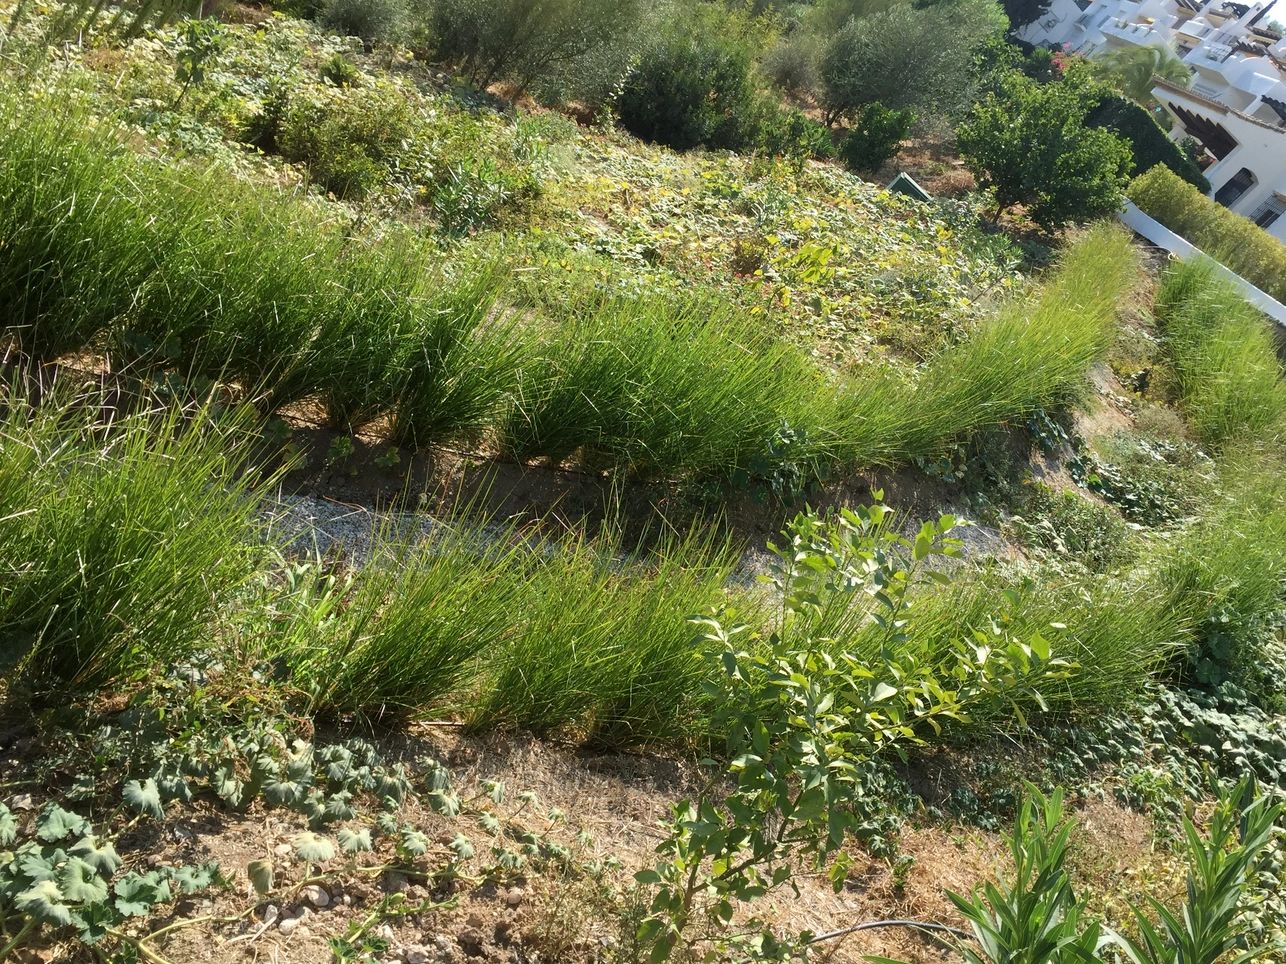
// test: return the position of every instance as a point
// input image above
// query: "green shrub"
(791, 64)
(1150, 144)
(579, 45)
(792, 134)
(875, 138)
(1243, 246)
(1029, 143)
(371, 20)
(695, 86)
(348, 140)
(906, 57)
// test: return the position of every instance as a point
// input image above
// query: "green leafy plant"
(1220, 866)
(876, 137)
(804, 715)
(200, 41)
(1028, 143)
(63, 877)
(1034, 917)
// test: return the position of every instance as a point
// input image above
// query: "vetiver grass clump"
(1230, 383)
(1034, 354)
(122, 536)
(180, 269)
(664, 387)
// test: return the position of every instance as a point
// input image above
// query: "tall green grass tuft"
(122, 536)
(662, 387)
(605, 645)
(405, 632)
(74, 252)
(171, 267)
(1230, 383)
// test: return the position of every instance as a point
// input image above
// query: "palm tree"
(1131, 69)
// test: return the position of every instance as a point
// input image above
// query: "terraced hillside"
(435, 529)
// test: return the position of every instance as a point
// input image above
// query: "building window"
(1266, 214)
(1235, 187)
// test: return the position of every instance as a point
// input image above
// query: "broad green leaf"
(8, 827)
(80, 883)
(44, 902)
(312, 847)
(145, 798)
(462, 847)
(414, 842)
(355, 841)
(57, 824)
(261, 876)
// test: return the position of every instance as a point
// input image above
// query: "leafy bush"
(580, 45)
(695, 86)
(791, 65)
(906, 57)
(876, 137)
(348, 141)
(1029, 143)
(371, 20)
(1242, 245)
(1150, 144)
(804, 717)
(792, 134)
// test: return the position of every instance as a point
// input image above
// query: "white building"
(1235, 107)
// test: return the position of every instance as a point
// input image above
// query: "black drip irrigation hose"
(873, 925)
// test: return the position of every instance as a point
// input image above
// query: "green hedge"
(1150, 144)
(1245, 248)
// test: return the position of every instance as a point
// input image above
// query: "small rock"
(475, 921)
(22, 801)
(471, 942)
(385, 932)
(415, 954)
(315, 895)
(514, 896)
(302, 931)
(282, 850)
(394, 882)
(445, 949)
(346, 900)
(270, 913)
(288, 926)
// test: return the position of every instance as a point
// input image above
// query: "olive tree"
(1028, 143)
(527, 42)
(907, 57)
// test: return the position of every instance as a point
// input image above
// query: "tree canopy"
(1028, 143)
